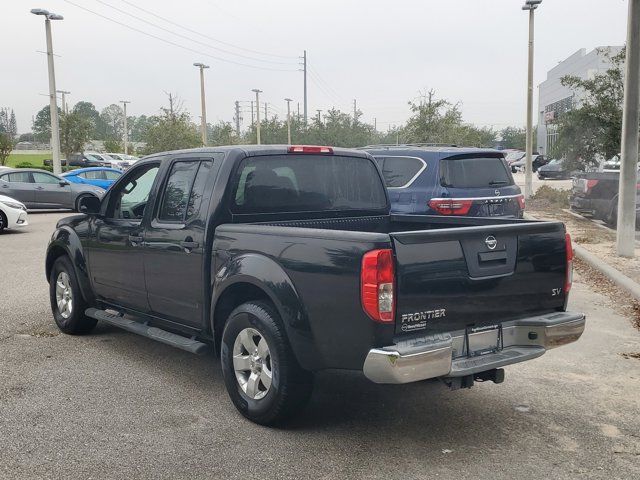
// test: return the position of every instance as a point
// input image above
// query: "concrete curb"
(617, 277)
(620, 279)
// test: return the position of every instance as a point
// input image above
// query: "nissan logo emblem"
(491, 242)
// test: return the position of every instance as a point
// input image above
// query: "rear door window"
(18, 177)
(297, 183)
(176, 194)
(400, 172)
(474, 172)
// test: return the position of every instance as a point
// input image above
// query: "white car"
(122, 161)
(12, 213)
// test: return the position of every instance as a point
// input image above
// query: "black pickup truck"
(286, 260)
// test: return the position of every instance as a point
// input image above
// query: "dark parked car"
(286, 260)
(537, 161)
(448, 181)
(86, 160)
(596, 194)
(41, 189)
(555, 169)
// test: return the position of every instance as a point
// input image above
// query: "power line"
(204, 35)
(323, 81)
(124, 12)
(174, 43)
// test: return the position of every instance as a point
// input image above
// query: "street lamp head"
(256, 90)
(39, 11)
(288, 100)
(55, 16)
(531, 4)
(200, 65)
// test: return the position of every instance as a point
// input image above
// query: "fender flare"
(65, 241)
(267, 275)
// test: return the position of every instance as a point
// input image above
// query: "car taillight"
(589, 185)
(450, 206)
(309, 149)
(569, 255)
(521, 201)
(377, 280)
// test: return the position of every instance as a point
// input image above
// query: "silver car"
(41, 189)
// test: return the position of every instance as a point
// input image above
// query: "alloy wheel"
(64, 295)
(252, 363)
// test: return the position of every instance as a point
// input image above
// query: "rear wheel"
(612, 217)
(3, 221)
(260, 371)
(67, 304)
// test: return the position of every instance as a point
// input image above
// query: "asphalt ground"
(118, 406)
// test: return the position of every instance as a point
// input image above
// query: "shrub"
(552, 196)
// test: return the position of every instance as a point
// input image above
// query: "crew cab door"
(115, 248)
(175, 241)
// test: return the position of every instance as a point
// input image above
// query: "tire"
(3, 221)
(67, 304)
(262, 399)
(612, 217)
(80, 197)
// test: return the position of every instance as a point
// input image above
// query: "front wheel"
(67, 304)
(260, 371)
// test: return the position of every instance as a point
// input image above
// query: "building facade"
(554, 99)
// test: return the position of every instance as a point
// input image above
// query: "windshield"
(297, 183)
(514, 156)
(474, 172)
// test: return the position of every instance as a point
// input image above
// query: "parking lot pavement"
(115, 405)
(537, 183)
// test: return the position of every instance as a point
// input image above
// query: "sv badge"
(555, 292)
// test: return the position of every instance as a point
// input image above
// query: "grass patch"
(549, 196)
(34, 159)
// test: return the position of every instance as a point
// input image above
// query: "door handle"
(5, 186)
(39, 188)
(135, 240)
(189, 245)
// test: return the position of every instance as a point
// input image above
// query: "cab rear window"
(297, 183)
(474, 172)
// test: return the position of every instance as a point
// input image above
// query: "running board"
(154, 333)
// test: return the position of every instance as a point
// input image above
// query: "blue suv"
(437, 180)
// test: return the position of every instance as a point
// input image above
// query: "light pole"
(203, 118)
(53, 103)
(288, 100)
(126, 131)
(258, 92)
(531, 6)
(64, 103)
(626, 222)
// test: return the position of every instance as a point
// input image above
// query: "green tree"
(111, 122)
(172, 130)
(593, 130)
(75, 132)
(514, 137)
(8, 123)
(88, 110)
(222, 133)
(42, 124)
(113, 145)
(6, 145)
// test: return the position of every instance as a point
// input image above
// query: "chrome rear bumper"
(445, 355)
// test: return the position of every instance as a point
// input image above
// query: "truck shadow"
(342, 403)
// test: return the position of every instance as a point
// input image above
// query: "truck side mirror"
(90, 205)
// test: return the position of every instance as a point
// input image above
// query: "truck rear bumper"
(445, 355)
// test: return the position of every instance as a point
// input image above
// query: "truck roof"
(253, 150)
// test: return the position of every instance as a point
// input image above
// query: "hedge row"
(48, 168)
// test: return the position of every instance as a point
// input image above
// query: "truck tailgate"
(469, 277)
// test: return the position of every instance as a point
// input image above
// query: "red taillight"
(521, 201)
(569, 255)
(309, 149)
(590, 184)
(450, 206)
(377, 278)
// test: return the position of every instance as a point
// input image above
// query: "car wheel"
(67, 304)
(260, 371)
(612, 217)
(3, 221)
(78, 200)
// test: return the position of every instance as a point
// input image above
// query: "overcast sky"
(381, 53)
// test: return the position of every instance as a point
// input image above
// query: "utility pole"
(529, 5)
(203, 117)
(304, 64)
(319, 119)
(626, 226)
(355, 111)
(53, 101)
(266, 115)
(126, 131)
(257, 92)
(298, 111)
(375, 124)
(253, 119)
(237, 118)
(65, 109)
(288, 100)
